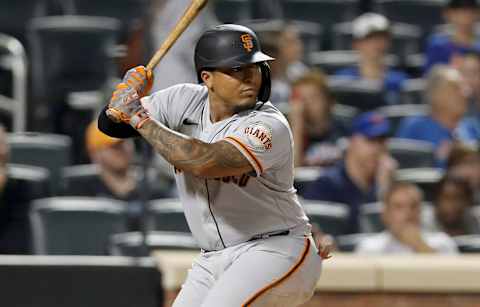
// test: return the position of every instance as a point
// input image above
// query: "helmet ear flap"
(265, 89)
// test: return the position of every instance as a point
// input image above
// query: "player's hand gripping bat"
(130, 88)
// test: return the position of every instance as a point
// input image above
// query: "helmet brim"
(237, 61)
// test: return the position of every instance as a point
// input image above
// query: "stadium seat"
(413, 91)
(131, 243)
(345, 114)
(362, 94)
(232, 11)
(266, 9)
(468, 243)
(60, 46)
(370, 217)
(75, 175)
(476, 212)
(128, 12)
(36, 179)
(29, 183)
(13, 82)
(396, 113)
(76, 225)
(332, 61)
(324, 12)
(51, 151)
(304, 176)
(348, 243)
(425, 178)
(14, 15)
(425, 14)
(166, 215)
(405, 38)
(411, 153)
(414, 66)
(331, 218)
(310, 32)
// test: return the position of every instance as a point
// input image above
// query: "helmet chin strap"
(260, 105)
(264, 94)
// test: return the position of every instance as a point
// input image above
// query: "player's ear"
(206, 78)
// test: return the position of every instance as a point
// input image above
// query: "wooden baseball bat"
(192, 11)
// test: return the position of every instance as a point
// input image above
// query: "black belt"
(261, 236)
(269, 234)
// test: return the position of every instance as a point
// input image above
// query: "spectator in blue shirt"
(458, 38)
(371, 39)
(364, 172)
(468, 130)
(446, 94)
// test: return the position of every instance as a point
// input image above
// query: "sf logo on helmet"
(247, 42)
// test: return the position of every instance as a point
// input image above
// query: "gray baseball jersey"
(222, 212)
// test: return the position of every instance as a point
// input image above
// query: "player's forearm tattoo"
(190, 154)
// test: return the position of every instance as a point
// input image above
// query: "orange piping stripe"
(283, 278)
(248, 151)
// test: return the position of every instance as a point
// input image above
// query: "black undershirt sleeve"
(113, 129)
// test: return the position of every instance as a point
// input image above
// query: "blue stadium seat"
(361, 94)
(411, 153)
(396, 113)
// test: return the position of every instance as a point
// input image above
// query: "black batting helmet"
(230, 45)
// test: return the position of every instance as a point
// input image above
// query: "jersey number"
(240, 181)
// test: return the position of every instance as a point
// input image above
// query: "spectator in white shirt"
(403, 234)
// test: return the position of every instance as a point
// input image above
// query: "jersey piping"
(283, 278)
(247, 153)
(213, 216)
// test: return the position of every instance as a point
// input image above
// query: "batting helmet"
(228, 46)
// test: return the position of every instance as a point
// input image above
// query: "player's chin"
(246, 103)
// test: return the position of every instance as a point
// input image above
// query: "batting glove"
(140, 79)
(125, 105)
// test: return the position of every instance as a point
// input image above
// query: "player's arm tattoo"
(194, 156)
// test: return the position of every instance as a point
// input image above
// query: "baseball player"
(232, 155)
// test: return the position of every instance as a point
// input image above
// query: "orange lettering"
(247, 42)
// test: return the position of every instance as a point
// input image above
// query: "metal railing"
(15, 60)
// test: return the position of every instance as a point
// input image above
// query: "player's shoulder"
(182, 96)
(183, 90)
(270, 113)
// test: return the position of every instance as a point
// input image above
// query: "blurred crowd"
(388, 132)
